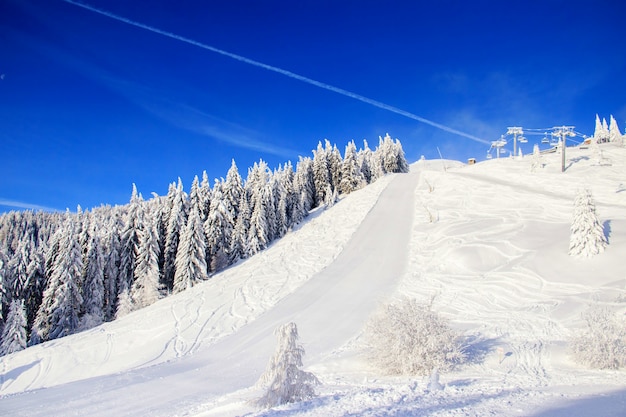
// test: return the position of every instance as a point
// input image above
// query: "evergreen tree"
(233, 190)
(321, 174)
(351, 177)
(111, 266)
(129, 241)
(587, 234)
(218, 229)
(175, 225)
(615, 136)
(258, 232)
(239, 241)
(536, 159)
(331, 197)
(93, 282)
(145, 289)
(14, 332)
(205, 197)
(334, 165)
(304, 183)
(364, 157)
(191, 264)
(58, 314)
(283, 380)
(124, 304)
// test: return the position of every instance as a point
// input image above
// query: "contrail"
(289, 74)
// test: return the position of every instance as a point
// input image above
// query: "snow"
(489, 242)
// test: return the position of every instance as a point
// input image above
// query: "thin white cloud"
(23, 205)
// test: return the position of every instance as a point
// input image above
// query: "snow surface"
(489, 242)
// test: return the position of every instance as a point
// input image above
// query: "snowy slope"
(489, 242)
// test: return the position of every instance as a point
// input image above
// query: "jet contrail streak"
(281, 71)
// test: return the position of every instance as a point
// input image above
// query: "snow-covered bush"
(409, 338)
(603, 342)
(587, 234)
(283, 380)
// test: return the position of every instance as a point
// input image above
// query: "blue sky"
(90, 104)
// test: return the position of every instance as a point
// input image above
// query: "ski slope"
(488, 243)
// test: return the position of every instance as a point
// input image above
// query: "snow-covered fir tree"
(615, 136)
(351, 177)
(284, 381)
(124, 304)
(587, 234)
(218, 229)
(334, 164)
(191, 266)
(62, 301)
(331, 197)
(233, 190)
(14, 331)
(145, 288)
(129, 240)
(175, 225)
(304, 183)
(364, 158)
(258, 235)
(536, 159)
(321, 174)
(93, 281)
(111, 265)
(239, 240)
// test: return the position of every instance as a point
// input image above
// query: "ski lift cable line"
(278, 70)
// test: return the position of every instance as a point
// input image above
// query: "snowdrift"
(487, 242)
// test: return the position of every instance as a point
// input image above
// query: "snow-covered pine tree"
(587, 234)
(124, 304)
(129, 241)
(36, 283)
(218, 229)
(111, 265)
(615, 136)
(233, 190)
(536, 159)
(351, 177)
(93, 281)
(334, 164)
(17, 266)
(191, 265)
(63, 301)
(175, 224)
(14, 331)
(321, 174)
(258, 236)
(205, 196)
(145, 289)
(304, 183)
(284, 381)
(331, 197)
(364, 157)
(605, 130)
(239, 241)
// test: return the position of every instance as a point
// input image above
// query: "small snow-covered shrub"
(408, 338)
(603, 342)
(283, 380)
(587, 234)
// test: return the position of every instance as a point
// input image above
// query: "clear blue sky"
(90, 105)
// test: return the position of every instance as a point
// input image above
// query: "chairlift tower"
(515, 130)
(562, 132)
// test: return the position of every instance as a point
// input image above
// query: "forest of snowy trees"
(65, 272)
